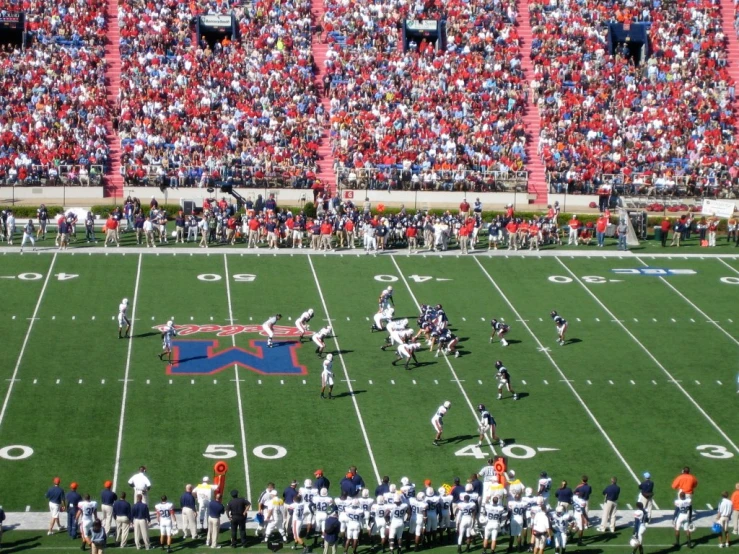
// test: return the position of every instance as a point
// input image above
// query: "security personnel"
(73, 498)
(189, 513)
(107, 499)
(55, 496)
(141, 519)
(123, 515)
(236, 512)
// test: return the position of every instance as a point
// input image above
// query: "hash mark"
(610, 382)
(673, 320)
(73, 317)
(654, 382)
(480, 382)
(730, 321)
(597, 319)
(709, 506)
(546, 382)
(693, 320)
(259, 382)
(632, 382)
(13, 317)
(370, 381)
(392, 382)
(35, 381)
(719, 382)
(436, 382)
(540, 319)
(523, 382)
(170, 381)
(58, 381)
(304, 382)
(463, 319)
(80, 381)
(697, 382)
(348, 319)
(192, 381)
(93, 318)
(28, 508)
(577, 318)
(148, 382)
(589, 382)
(482, 318)
(192, 318)
(414, 381)
(211, 318)
(102, 381)
(654, 319)
(636, 320)
(282, 381)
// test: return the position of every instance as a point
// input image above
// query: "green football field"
(647, 382)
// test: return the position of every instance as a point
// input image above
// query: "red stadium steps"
(534, 164)
(114, 179)
(326, 172)
(732, 43)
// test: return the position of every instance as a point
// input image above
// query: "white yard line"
(651, 356)
(25, 340)
(696, 308)
(238, 386)
(730, 267)
(559, 370)
(119, 442)
(446, 359)
(346, 376)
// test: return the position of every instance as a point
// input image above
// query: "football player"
(433, 501)
(580, 522)
(398, 518)
(123, 319)
(640, 527)
(504, 380)
(327, 376)
(302, 323)
(499, 329)
(407, 351)
(448, 343)
(545, 486)
(380, 316)
(366, 502)
(167, 334)
(381, 517)
(398, 333)
(86, 514)
(417, 524)
(445, 513)
(561, 324)
(268, 327)
(518, 507)
(355, 516)
(561, 523)
(466, 510)
(322, 503)
(319, 339)
(487, 423)
(438, 420)
(683, 518)
(386, 299)
(493, 517)
(166, 519)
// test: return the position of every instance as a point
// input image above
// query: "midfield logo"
(203, 357)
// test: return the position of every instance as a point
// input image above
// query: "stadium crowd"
(665, 119)
(434, 113)
(54, 107)
(188, 110)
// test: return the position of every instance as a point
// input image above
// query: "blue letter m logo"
(199, 357)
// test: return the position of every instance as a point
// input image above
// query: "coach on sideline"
(55, 496)
(189, 513)
(141, 484)
(122, 514)
(107, 499)
(685, 482)
(141, 519)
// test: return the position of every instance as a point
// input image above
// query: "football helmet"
(447, 404)
(381, 500)
(365, 493)
(169, 323)
(481, 407)
(560, 509)
(442, 491)
(329, 357)
(125, 301)
(308, 483)
(324, 491)
(430, 491)
(398, 498)
(553, 314)
(404, 481)
(390, 288)
(420, 497)
(310, 311)
(498, 364)
(355, 503)
(529, 491)
(468, 487)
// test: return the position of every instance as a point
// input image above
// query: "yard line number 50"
(226, 451)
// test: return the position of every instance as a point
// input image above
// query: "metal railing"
(396, 178)
(56, 176)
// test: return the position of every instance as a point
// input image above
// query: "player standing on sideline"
(640, 526)
(487, 423)
(438, 420)
(493, 516)
(683, 517)
(561, 522)
(580, 509)
(123, 318)
(204, 494)
(504, 379)
(561, 324)
(43, 219)
(327, 377)
(303, 322)
(268, 327)
(466, 510)
(355, 515)
(398, 518)
(723, 515)
(28, 235)
(141, 484)
(319, 339)
(167, 334)
(167, 522)
(499, 329)
(87, 512)
(407, 351)
(55, 496)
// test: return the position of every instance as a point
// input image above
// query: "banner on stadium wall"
(217, 21)
(718, 208)
(14, 21)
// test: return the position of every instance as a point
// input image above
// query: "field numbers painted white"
(472, 450)
(715, 451)
(519, 451)
(238, 277)
(65, 276)
(244, 277)
(420, 278)
(730, 280)
(210, 277)
(386, 278)
(30, 276)
(217, 451)
(593, 279)
(264, 451)
(561, 279)
(9, 452)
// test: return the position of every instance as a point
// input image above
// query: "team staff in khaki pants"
(107, 499)
(189, 513)
(122, 514)
(141, 519)
(610, 497)
(215, 511)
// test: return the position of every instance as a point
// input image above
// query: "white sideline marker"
(392, 382)
(719, 383)
(523, 382)
(546, 382)
(632, 382)
(370, 381)
(589, 382)
(697, 382)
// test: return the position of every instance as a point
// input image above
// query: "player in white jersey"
(123, 320)
(438, 420)
(398, 518)
(407, 489)
(319, 339)
(87, 513)
(166, 519)
(545, 485)
(407, 351)
(301, 511)
(380, 518)
(493, 517)
(354, 516)
(204, 494)
(518, 508)
(445, 512)
(386, 299)
(380, 317)
(514, 485)
(579, 519)
(268, 327)
(641, 517)
(274, 516)
(418, 519)
(432, 514)
(466, 510)
(327, 376)
(322, 503)
(561, 524)
(683, 518)
(309, 492)
(342, 504)
(303, 322)
(398, 333)
(167, 334)
(366, 502)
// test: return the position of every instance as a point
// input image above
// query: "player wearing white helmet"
(518, 508)
(268, 328)
(487, 425)
(398, 337)
(303, 322)
(466, 510)
(407, 351)
(319, 339)
(419, 514)
(382, 316)
(561, 524)
(301, 518)
(322, 503)
(380, 518)
(579, 509)
(438, 420)
(432, 514)
(327, 376)
(386, 299)
(493, 516)
(398, 518)
(167, 334)
(342, 504)
(641, 518)
(123, 320)
(366, 502)
(355, 516)
(445, 512)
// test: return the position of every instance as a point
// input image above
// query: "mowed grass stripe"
(169, 428)
(534, 421)
(647, 422)
(282, 411)
(71, 426)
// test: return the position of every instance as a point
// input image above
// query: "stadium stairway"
(534, 164)
(114, 179)
(732, 43)
(326, 172)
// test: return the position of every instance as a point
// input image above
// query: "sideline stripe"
(556, 366)
(238, 386)
(346, 374)
(696, 308)
(25, 340)
(655, 360)
(119, 443)
(446, 359)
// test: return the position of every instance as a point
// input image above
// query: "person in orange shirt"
(512, 229)
(349, 230)
(464, 239)
(534, 234)
(600, 230)
(685, 482)
(574, 228)
(523, 233)
(735, 503)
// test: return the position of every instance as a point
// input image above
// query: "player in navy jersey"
(499, 329)
(561, 324)
(487, 423)
(504, 380)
